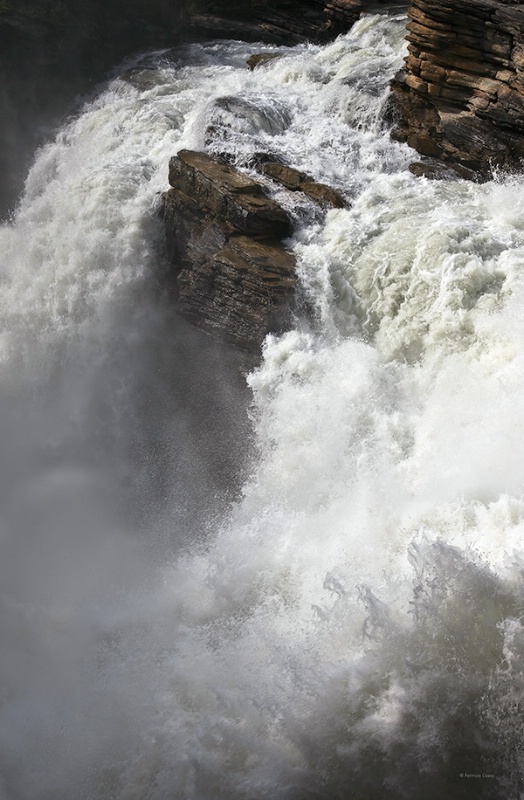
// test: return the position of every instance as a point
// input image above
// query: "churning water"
(348, 626)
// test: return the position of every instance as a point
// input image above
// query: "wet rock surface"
(232, 274)
(259, 59)
(228, 194)
(460, 98)
(297, 181)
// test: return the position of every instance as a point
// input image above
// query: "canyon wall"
(274, 21)
(460, 98)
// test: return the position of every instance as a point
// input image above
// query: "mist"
(125, 437)
(53, 56)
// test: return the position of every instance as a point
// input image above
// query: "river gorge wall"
(460, 98)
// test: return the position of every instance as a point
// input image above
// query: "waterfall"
(303, 582)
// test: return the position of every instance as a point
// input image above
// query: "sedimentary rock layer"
(460, 98)
(276, 21)
(297, 181)
(232, 274)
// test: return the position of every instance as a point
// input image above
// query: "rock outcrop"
(297, 181)
(460, 98)
(232, 274)
(284, 22)
(259, 59)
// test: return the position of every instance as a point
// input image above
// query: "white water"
(351, 628)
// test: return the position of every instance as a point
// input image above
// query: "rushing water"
(350, 625)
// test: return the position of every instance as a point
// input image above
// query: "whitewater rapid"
(303, 582)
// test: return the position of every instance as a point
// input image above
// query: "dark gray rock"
(285, 22)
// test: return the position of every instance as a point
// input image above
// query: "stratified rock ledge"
(232, 274)
(460, 98)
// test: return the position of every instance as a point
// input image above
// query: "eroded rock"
(228, 194)
(259, 59)
(294, 180)
(460, 97)
(232, 274)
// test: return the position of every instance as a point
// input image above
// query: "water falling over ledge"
(349, 623)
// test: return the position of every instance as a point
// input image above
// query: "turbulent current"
(303, 581)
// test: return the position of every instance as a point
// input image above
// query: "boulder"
(231, 273)
(460, 97)
(259, 59)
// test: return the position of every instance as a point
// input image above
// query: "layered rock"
(297, 181)
(460, 98)
(232, 274)
(276, 21)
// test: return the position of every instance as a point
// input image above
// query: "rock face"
(259, 59)
(275, 21)
(460, 98)
(232, 274)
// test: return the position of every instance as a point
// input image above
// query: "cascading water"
(351, 626)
